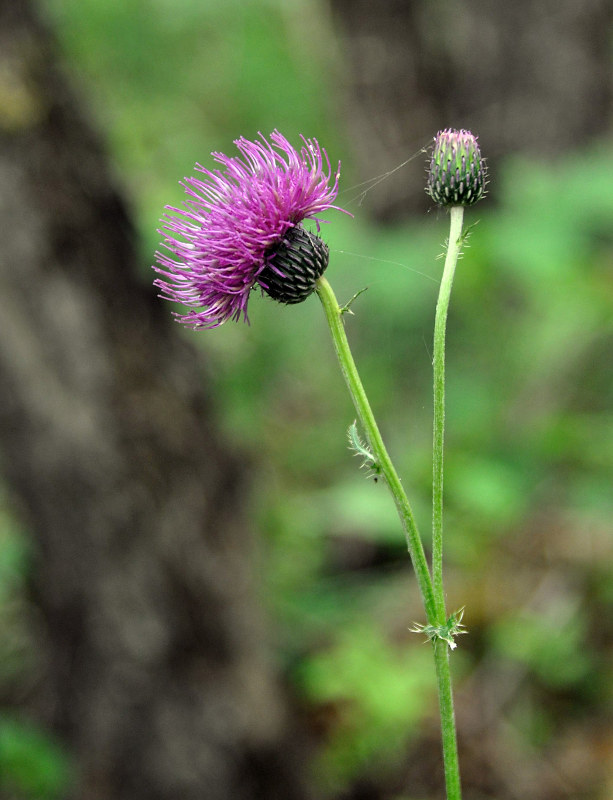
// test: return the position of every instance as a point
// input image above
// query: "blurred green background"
(529, 461)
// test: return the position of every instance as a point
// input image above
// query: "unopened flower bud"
(457, 172)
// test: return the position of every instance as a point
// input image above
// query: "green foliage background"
(530, 395)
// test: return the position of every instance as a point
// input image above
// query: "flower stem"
(362, 406)
(431, 591)
(448, 729)
(441, 651)
(453, 251)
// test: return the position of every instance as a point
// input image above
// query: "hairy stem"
(362, 406)
(447, 715)
(440, 324)
(441, 651)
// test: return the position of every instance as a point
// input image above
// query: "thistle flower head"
(457, 171)
(240, 227)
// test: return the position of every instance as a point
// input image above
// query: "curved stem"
(362, 406)
(453, 251)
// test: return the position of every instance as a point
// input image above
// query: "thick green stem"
(453, 251)
(366, 417)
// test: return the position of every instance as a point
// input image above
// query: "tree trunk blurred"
(155, 672)
(523, 76)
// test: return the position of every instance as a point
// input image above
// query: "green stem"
(441, 652)
(431, 589)
(362, 406)
(448, 729)
(453, 251)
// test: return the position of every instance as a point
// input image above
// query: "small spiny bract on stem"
(360, 449)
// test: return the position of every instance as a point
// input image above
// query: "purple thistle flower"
(237, 220)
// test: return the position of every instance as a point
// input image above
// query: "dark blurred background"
(200, 594)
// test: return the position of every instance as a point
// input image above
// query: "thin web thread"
(372, 182)
(358, 199)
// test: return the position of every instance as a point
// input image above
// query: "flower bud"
(293, 267)
(457, 172)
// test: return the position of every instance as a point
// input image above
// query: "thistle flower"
(241, 227)
(457, 171)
